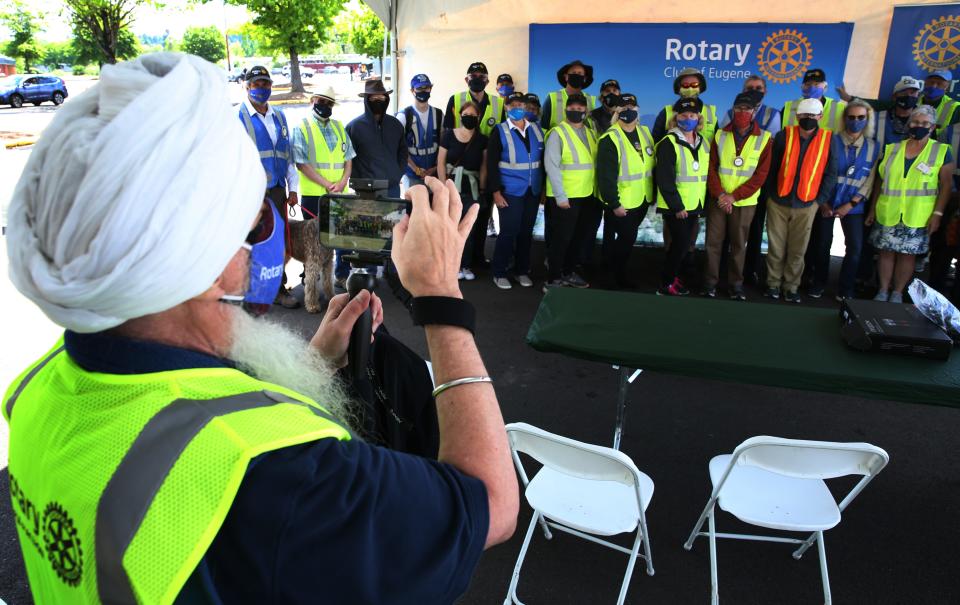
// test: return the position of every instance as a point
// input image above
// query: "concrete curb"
(20, 143)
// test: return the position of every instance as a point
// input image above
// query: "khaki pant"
(788, 232)
(733, 227)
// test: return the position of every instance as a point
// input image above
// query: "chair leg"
(512, 591)
(827, 599)
(714, 580)
(630, 564)
(647, 551)
(803, 547)
(696, 528)
(546, 528)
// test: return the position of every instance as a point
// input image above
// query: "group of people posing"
(885, 169)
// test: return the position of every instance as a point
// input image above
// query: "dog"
(317, 262)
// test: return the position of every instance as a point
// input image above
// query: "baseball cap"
(576, 99)
(531, 97)
(609, 83)
(504, 78)
(907, 82)
(943, 74)
(750, 98)
(682, 105)
(814, 75)
(810, 106)
(259, 72)
(628, 98)
(516, 96)
(477, 67)
(420, 80)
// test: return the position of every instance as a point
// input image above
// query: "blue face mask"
(629, 115)
(855, 125)
(505, 90)
(812, 92)
(260, 95)
(934, 93)
(266, 263)
(530, 116)
(516, 113)
(688, 125)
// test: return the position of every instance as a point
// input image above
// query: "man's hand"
(725, 201)
(620, 211)
(333, 336)
(826, 210)
(499, 200)
(428, 243)
(292, 198)
(933, 224)
(843, 94)
(336, 187)
(843, 210)
(871, 218)
(682, 214)
(565, 204)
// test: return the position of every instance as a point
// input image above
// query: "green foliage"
(24, 26)
(366, 32)
(86, 70)
(293, 27)
(205, 42)
(55, 53)
(101, 29)
(89, 50)
(252, 40)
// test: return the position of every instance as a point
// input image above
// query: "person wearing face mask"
(814, 86)
(916, 179)
(935, 88)
(515, 176)
(689, 84)
(602, 117)
(422, 123)
(323, 154)
(803, 173)
(379, 139)
(569, 154)
(856, 157)
(532, 106)
(767, 117)
(625, 162)
(491, 107)
(683, 159)
(574, 77)
(267, 128)
(462, 159)
(504, 85)
(945, 242)
(892, 122)
(739, 163)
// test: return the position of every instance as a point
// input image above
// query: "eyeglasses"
(861, 117)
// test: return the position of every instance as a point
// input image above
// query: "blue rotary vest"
(423, 141)
(273, 157)
(853, 169)
(521, 169)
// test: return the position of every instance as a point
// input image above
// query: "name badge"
(851, 170)
(637, 146)
(922, 167)
(738, 162)
(649, 150)
(696, 165)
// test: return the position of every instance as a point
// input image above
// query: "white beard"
(273, 353)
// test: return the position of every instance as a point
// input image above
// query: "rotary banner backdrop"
(645, 57)
(922, 39)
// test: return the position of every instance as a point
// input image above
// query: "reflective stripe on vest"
(814, 163)
(514, 173)
(576, 161)
(733, 176)
(273, 156)
(430, 130)
(558, 106)
(955, 146)
(945, 112)
(864, 156)
(491, 115)
(909, 198)
(881, 127)
(635, 178)
(691, 181)
(329, 163)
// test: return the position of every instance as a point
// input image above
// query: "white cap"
(906, 82)
(812, 106)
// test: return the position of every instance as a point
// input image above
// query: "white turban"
(136, 196)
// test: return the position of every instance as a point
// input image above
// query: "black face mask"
(611, 100)
(323, 111)
(469, 122)
(807, 123)
(422, 96)
(906, 102)
(918, 132)
(576, 80)
(477, 84)
(379, 106)
(575, 117)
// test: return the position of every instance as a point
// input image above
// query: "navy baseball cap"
(814, 75)
(259, 73)
(504, 78)
(516, 96)
(477, 67)
(695, 105)
(420, 80)
(628, 99)
(610, 83)
(531, 97)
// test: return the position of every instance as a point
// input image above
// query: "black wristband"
(443, 310)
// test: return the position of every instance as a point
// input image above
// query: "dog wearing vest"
(317, 262)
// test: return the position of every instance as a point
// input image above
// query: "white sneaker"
(502, 282)
(524, 280)
(467, 274)
(896, 298)
(882, 296)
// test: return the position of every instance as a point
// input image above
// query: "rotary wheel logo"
(937, 45)
(784, 56)
(63, 546)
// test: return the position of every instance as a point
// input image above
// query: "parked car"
(305, 72)
(31, 88)
(330, 69)
(343, 69)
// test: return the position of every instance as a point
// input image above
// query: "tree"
(103, 28)
(366, 34)
(293, 27)
(57, 53)
(205, 42)
(24, 26)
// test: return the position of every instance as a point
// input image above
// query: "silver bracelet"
(455, 383)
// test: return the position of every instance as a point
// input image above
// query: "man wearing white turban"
(170, 447)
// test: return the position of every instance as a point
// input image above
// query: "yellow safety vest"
(576, 160)
(909, 198)
(635, 177)
(558, 106)
(709, 120)
(690, 173)
(735, 170)
(945, 110)
(121, 482)
(832, 118)
(329, 163)
(491, 115)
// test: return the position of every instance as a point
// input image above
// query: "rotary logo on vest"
(55, 528)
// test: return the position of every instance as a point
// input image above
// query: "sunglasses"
(264, 227)
(859, 118)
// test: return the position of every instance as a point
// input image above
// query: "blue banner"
(922, 39)
(645, 57)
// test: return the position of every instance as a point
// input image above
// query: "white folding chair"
(779, 484)
(582, 489)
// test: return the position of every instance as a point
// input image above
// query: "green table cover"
(777, 345)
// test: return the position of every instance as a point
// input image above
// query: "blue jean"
(342, 268)
(516, 234)
(852, 226)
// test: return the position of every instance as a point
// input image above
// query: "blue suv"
(28, 88)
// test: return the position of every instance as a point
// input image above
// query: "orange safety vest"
(814, 163)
